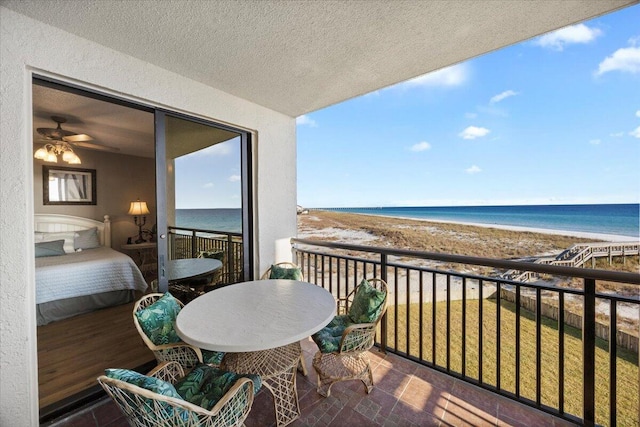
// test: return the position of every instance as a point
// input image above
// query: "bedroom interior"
(103, 199)
(79, 336)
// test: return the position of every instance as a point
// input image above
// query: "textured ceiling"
(299, 56)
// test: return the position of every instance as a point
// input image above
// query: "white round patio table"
(259, 324)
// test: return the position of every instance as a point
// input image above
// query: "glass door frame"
(161, 192)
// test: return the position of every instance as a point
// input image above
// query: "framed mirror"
(68, 186)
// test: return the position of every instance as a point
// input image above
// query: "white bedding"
(91, 271)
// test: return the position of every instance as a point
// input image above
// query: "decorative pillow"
(204, 385)
(367, 303)
(67, 236)
(153, 384)
(158, 320)
(212, 357)
(53, 248)
(291, 273)
(86, 239)
(328, 338)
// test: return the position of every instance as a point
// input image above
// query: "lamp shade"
(138, 208)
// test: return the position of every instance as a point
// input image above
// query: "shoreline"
(579, 234)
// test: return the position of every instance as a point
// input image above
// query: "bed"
(77, 271)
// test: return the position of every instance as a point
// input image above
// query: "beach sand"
(494, 241)
(481, 240)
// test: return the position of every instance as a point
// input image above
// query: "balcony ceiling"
(299, 56)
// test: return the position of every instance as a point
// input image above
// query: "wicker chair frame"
(186, 355)
(302, 366)
(351, 361)
(145, 408)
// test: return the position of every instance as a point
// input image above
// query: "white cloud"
(473, 132)
(638, 113)
(594, 142)
(454, 75)
(420, 146)
(635, 132)
(234, 178)
(470, 115)
(574, 34)
(499, 97)
(626, 60)
(208, 185)
(306, 120)
(617, 134)
(473, 169)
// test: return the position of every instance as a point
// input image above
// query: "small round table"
(189, 277)
(190, 268)
(259, 324)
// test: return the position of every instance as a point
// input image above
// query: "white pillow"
(67, 236)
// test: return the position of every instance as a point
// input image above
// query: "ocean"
(229, 220)
(616, 219)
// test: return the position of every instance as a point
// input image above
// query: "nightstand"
(144, 255)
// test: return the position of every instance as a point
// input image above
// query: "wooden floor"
(73, 352)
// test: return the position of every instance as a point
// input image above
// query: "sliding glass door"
(203, 195)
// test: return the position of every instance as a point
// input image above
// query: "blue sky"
(551, 120)
(210, 178)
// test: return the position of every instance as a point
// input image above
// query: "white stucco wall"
(28, 46)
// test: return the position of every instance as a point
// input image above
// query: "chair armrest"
(358, 337)
(167, 371)
(236, 403)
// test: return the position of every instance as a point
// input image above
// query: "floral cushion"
(367, 303)
(153, 384)
(219, 255)
(291, 273)
(204, 386)
(328, 338)
(158, 320)
(212, 357)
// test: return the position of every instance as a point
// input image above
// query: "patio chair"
(344, 343)
(154, 316)
(283, 270)
(165, 397)
(221, 256)
(287, 270)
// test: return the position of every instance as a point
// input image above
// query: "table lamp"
(139, 209)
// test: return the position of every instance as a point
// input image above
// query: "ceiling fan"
(59, 141)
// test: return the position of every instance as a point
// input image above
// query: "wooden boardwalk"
(579, 255)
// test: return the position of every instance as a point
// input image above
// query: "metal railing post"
(194, 244)
(230, 260)
(589, 352)
(383, 321)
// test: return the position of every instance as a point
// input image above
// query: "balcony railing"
(189, 242)
(461, 316)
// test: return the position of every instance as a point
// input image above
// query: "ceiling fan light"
(41, 153)
(68, 156)
(51, 157)
(75, 160)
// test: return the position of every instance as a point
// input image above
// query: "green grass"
(627, 362)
